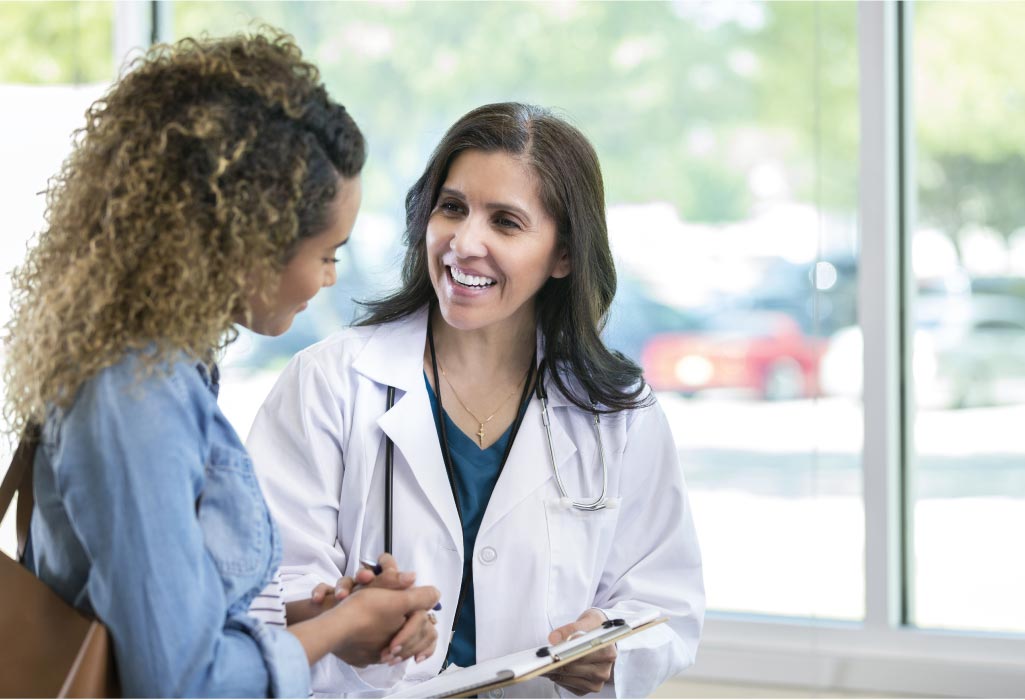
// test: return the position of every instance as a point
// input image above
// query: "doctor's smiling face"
(310, 267)
(491, 245)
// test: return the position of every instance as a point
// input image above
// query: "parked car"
(968, 350)
(636, 315)
(764, 353)
(821, 295)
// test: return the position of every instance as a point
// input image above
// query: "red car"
(761, 352)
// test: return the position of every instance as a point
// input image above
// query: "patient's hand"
(390, 577)
(416, 637)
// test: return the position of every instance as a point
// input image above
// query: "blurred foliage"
(808, 91)
(687, 102)
(670, 93)
(682, 99)
(970, 115)
(969, 84)
(56, 42)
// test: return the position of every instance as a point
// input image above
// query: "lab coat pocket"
(579, 542)
(233, 516)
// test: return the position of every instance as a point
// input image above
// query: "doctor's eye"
(451, 207)
(506, 222)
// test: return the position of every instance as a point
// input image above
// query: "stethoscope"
(598, 503)
(602, 500)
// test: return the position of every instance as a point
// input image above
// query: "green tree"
(636, 77)
(969, 96)
(808, 93)
(56, 42)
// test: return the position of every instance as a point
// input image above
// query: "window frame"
(882, 654)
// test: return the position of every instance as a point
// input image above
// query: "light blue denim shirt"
(148, 515)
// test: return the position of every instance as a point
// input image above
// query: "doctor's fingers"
(417, 638)
(387, 562)
(420, 598)
(583, 678)
(588, 676)
(605, 655)
(393, 579)
(590, 619)
(583, 669)
(342, 588)
(320, 592)
(575, 684)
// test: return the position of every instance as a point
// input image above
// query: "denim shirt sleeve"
(130, 471)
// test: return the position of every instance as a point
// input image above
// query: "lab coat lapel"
(410, 425)
(394, 357)
(530, 463)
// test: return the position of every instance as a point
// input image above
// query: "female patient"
(211, 186)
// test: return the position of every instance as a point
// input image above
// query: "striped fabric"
(269, 605)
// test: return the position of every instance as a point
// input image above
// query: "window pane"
(56, 43)
(56, 58)
(968, 319)
(728, 138)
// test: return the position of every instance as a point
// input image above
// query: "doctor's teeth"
(470, 280)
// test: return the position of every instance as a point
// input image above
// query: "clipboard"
(524, 665)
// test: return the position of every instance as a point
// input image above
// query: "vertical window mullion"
(132, 30)
(162, 13)
(907, 214)
(879, 283)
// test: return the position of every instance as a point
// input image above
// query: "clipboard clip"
(542, 652)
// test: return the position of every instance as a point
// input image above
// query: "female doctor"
(475, 426)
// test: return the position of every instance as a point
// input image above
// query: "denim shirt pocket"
(234, 520)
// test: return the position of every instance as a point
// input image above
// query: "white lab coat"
(318, 444)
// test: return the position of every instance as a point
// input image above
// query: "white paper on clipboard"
(519, 665)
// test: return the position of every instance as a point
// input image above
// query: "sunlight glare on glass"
(825, 275)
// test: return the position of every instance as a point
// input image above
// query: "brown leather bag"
(47, 648)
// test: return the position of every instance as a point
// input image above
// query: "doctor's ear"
(562, 266)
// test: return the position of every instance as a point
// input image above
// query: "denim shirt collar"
(211, 377)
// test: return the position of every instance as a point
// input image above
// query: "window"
(731, 170)
(817, 215)
(968, 331)
(55, 60)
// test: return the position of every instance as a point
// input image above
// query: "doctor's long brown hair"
(571, 311)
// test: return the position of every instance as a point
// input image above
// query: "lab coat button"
(497, 693)
(488, 556)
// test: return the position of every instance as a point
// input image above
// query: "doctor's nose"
(468, 240)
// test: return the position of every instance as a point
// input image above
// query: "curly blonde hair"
(190, 186)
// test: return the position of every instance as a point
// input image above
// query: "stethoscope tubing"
(389, 474)
(602, 501)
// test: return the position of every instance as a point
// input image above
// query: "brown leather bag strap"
(19, 480)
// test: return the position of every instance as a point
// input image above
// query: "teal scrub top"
(476, 473)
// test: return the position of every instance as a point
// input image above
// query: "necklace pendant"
(480, 435)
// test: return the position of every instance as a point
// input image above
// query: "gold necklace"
(480, 431)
